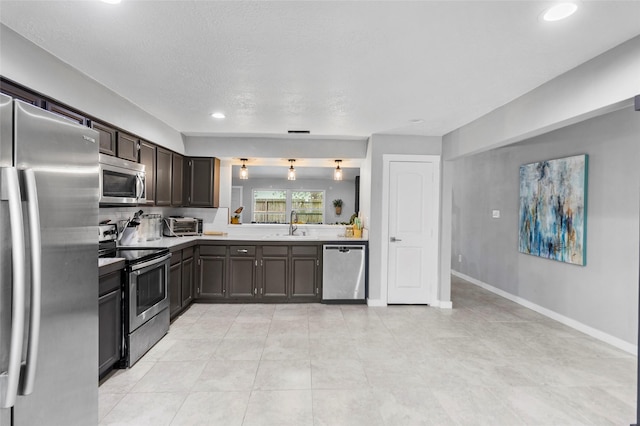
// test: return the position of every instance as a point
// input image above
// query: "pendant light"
(292, 171)
(244, 172)
(337, 173)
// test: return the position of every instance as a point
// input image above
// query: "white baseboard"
(600, 335)
(443, 305)
(437, 304)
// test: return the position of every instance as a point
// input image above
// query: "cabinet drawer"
(275, 250)
(187, 253)
(213, 250)
(176, 257)
(304, 250)
(109, 283)
(242, 250)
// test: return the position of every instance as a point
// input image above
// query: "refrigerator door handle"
(29, 375)
(9, 381)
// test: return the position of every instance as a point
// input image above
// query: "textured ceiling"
(334, 68)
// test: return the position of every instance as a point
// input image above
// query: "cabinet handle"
(260, 291)
(261, 262)
(255, 291)
(242, 251)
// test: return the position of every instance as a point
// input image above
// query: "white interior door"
(412, 245)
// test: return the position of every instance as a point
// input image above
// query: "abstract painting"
(553, 209)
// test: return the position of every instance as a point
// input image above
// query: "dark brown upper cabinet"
(148, 158)
(203, 182)
(107, 137)
(67, 113)
(127, 147)
(19, 93)
(163, 176)
(177, 181)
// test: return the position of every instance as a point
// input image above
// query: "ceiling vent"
(299, 131)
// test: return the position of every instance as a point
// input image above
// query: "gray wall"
(31, 66)
(381, 144)
(604, 293)
(344, 190)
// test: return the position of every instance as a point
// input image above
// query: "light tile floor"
(487, 361)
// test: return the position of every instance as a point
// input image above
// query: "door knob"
(394, 239)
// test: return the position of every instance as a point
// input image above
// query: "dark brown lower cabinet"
(181, 273)
(187, 276)
(211, 272)
(279, 272)
(110, 322)
(242, 272)
(274, 274)
(175, 284)
(305, 267)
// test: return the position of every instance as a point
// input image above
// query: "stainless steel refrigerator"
(48, 268)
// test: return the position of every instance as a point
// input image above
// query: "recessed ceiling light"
(218, 115)
(559, 11)
(111, 1)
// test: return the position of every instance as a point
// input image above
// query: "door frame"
(384, 270)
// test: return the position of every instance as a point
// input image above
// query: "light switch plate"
(496, 214)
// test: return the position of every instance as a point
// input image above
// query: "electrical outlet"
(496, 214)
(459, 258)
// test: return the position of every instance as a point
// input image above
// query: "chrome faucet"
(293, 228)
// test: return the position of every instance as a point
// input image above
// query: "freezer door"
(63, 157)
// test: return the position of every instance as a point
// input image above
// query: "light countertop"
(170, 242)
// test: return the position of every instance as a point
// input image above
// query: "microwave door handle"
(139, 187)
(36, 282)
(10, 381)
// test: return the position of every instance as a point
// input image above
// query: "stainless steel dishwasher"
(343, 273)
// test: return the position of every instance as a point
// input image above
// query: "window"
(270, 206)
(275, 205)
(309, 205)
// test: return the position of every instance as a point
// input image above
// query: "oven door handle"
(136, 269)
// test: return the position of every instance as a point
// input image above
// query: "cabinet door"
(177, 180)
(127, 147)
(163, 177)
(175, 289)
(203, 182)
(107, 138)
(67, 113)
(212, 277)
(274, 271)
(242, 272)
(304, 273)
(187, 280)
(110, 330)
(148, 158)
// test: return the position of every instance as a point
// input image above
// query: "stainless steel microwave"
(122, 182)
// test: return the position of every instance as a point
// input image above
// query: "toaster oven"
(180, 226)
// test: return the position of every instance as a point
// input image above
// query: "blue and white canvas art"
(553, 209)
